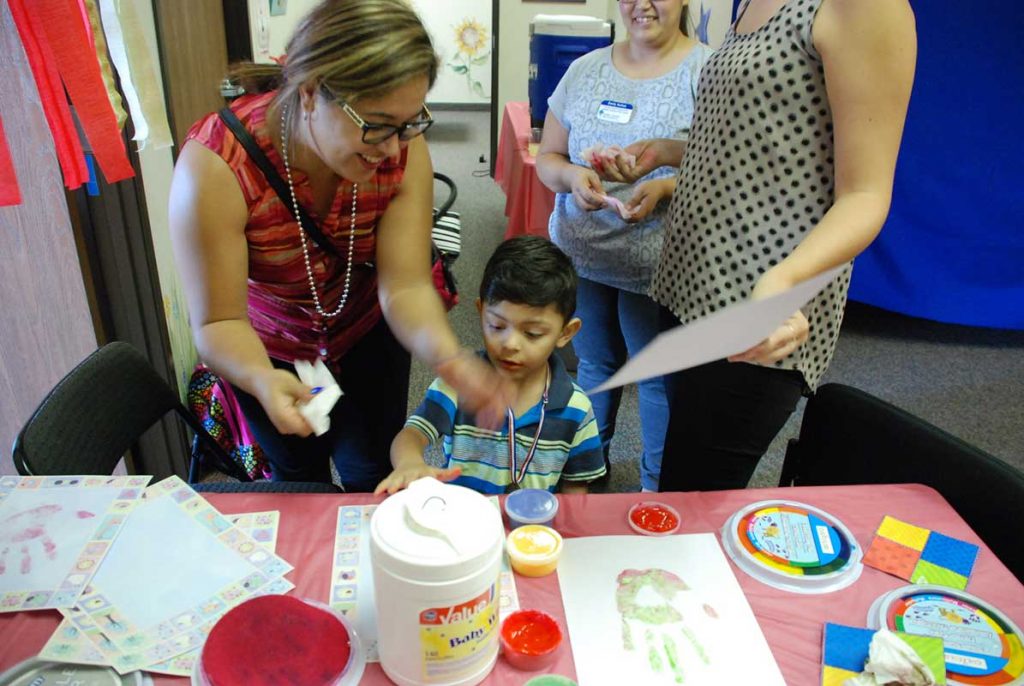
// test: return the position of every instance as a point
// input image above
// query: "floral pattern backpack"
(211, 400)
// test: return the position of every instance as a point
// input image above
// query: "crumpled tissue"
(892, 661)
(318, 410)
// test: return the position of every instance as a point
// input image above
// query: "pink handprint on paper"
(23, 529)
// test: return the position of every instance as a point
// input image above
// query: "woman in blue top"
(642, 87)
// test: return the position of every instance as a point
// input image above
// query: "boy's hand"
(403, 476)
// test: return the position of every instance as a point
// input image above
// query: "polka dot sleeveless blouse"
(756, 178)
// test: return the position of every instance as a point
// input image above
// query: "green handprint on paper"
(666, 635)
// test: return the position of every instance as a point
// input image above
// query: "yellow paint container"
(534, 549)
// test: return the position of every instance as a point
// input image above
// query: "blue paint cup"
(531, 506)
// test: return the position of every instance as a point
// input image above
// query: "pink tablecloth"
(528, 202)
(792, 623)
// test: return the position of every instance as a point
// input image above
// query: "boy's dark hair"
(530, 270)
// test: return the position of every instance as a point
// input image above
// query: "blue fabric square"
(846, 647)
(951, 553)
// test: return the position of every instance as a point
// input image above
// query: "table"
(791, 623)
(528, 202)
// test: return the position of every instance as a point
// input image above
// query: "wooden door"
(194, 57)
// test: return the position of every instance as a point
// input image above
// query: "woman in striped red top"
(340, 122)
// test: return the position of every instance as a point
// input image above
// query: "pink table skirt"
(791, 623)
(528, 202)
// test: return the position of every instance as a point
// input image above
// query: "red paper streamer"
(75, 55)
(51, 94)
(9, 193)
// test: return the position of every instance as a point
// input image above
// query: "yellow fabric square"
(833, 676)
(909, 535)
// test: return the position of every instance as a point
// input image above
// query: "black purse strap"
(306, 222)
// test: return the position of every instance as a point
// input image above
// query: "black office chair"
(851, 437)
(97, 412)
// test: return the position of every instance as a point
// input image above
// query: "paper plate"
(982, 645)
(793, 547)
(36, 671)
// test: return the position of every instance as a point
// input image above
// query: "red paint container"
(278, 639)
(654, 519)
(530, 639)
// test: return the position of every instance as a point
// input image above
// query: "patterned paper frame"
(96, 617)
(94, 549)
(68, 644)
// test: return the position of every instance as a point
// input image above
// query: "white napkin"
(892, 661)
(318, 410)
(618, 206)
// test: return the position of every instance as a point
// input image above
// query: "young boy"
(526, 304)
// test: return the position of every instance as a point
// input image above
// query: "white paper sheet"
(727, 332)
(667, 610)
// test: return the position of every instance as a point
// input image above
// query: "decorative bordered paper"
(351, 590)
(177, 566)
(921, 555)
(845, 650)
(68, 644)
(792, 546)
(982, 645)
(54, 533)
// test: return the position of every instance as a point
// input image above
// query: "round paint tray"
(302, 641)
(793, 547)
(982, 645)
(36, 671)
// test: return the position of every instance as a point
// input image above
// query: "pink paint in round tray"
(278, 639)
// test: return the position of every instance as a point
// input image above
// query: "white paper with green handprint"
(664, 610)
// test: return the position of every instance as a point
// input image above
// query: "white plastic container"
(436, 552)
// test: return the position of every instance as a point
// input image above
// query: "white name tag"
(614, 111)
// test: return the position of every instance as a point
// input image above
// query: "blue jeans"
(375, 379)
(617, 324)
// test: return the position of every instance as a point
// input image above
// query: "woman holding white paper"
(639, 87)
(787, 173)
(339, 122)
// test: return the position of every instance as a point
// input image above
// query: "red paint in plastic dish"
(654, 519)
(278, 639)
(530, 639)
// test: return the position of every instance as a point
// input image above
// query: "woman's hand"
(647, 196)
(787, 338)
(587, 189)
(780, 344)
(280, 392)
(479, 387)
(403, 476)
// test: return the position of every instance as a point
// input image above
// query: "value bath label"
(458, 640)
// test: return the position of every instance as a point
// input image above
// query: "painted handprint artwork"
(660, 611)
(54, 532)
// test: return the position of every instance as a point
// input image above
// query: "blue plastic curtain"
(953, 247)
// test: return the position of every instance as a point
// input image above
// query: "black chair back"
(851, 437)
(97, 412)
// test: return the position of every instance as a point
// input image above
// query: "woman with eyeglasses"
(641, 87)
(340, 121)
(788, 173)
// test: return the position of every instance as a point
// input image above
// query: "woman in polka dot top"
(787, 173)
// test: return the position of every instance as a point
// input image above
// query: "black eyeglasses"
(374, 134)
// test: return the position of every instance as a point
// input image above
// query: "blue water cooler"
(555, 41)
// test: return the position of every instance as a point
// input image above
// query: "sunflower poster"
(462, 34)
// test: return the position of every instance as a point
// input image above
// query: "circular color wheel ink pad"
(793, 547)
(982, 645)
